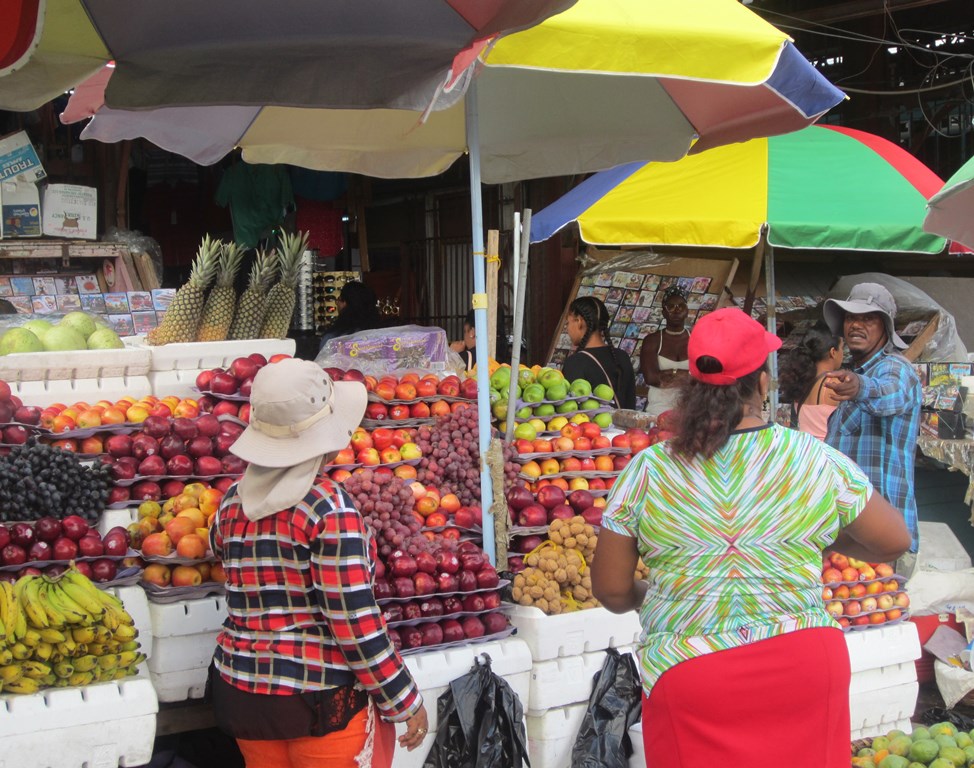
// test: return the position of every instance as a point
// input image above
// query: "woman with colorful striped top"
(740, 662)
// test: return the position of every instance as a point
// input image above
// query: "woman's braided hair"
(797, 373)
(596, 318)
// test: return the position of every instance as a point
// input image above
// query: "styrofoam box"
(184, 634)
(883, 677)
(110, 518)
(433, 672)
(178, 686)
(95, 726)
(883, 646)
(180, 382)
(904, 725)
(565, 680)
(551, 736)
(202, 355)
(873, 713)
(43, 392)
(638, 757)
(137, 604)
(940, 549)
(74, 364)
(568, 634)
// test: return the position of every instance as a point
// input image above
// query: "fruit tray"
(157, 478)
(459, 643)
(374, 398)
(49, 563)
(523, 458)
(519, 403)
(500, 585)
(861, 627)
(235, 398)
(158, 594)
(403, 423)
(392, 465)
(901, 580)
(587, 474)
(126, 577)
(177, 559)
(433, 619)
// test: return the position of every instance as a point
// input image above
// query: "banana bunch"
(63, 631)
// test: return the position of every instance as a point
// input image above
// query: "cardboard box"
(18, 158)
(20, 209)
(71, 211)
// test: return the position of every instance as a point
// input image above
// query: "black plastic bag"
(936, 715)
(613, 708)
(481, 723)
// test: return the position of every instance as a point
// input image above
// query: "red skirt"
(783, 699)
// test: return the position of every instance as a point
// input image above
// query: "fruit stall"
(115, 461)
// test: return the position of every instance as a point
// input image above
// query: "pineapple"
(281, 297)
(182, 319)
(218, 312)
(249, 318)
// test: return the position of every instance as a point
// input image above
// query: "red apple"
(244, 368)
(152, 466)
(155, 426)
(223, 383)
(208, 465)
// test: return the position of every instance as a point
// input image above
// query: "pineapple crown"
(263, 270)
(207, 262)
(289, 257)
(230, 258)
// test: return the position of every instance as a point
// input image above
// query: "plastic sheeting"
(383, 350)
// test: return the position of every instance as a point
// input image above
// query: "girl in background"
(595, 359)
(663, 355)
(802, 375)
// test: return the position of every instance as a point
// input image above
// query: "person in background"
(663, 355)
(738, 656)
(467, 346)
(304, 665)
(357, 311)
(877, 421)
(6, 308)
(595, 359)
(801, 378)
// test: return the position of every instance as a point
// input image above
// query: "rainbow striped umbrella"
(823, 187)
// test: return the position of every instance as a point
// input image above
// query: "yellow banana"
(31, 637)
(61, 683)
(98, 674)
(130, 658)
(97, 649)
(43, 651)
(6, 656)
(67, 648)
(6, 618)
(82, 595)
(56, 656)
(55, 616)
(102, 634)
(11, 672)
(48, 680)
(20, 651)
(16, 623)
(131, 645)
(83, 634)
(63, 669)
(20, 628)
(73, 613)
(52, 635)
(80, 650)
(107, 662)
(24, 685)
(126, 632)
(30, 602)
(85, 663)
(81, 678)
(35, 669)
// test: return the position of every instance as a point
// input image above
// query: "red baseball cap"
(739, 342)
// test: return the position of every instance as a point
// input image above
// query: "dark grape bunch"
(451, 456)
(386, 503)
(38, 480)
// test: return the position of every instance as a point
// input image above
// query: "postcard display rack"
(631, 284)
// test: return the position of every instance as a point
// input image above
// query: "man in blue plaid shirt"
(878, 420)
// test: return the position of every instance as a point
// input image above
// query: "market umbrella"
(363, 54)
(950, 212)
(605, 82)
(824, 187)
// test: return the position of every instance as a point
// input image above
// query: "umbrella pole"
(772, 328)
(479, 303)
(521, 270)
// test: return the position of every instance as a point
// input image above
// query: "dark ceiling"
(906, 65)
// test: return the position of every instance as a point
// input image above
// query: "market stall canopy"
(824, 187)
(603, 83)
(950, 212)
(363, 54)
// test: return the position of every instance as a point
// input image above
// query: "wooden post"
(121, 196)
(756, 263)
(493, 267)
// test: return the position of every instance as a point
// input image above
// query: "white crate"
(202, 355)
(43, 392)
(883, 677)
(568, 634)
(95, 726)
(184, 639)
(185, 652)
(900, 725)
(74, 365)
(873, 713)
(551, 736)
(883, 646)
(179, 686)
(940, 549)
(110, 518)
(188, 617)
(179, 382)
(565, 680)
(638, 757)
(434, 671)
(137, 605)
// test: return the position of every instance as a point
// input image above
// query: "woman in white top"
(802, 375)
(663, 357)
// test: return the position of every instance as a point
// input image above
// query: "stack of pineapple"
(264, 309)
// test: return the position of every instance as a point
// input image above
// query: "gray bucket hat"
(863, 299)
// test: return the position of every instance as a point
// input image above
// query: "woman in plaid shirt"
(304, 667)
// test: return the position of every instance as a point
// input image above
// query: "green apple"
(604, 419)
(495, 396)
(557, 391)
(544, 410)
(589, 405)
(525, 431)
(549, 376)
(533, 393)
(525, 412)
(499, 410)
(525, 376)
(604, 392)
(569, 406)
(501, 379)
(580, 388)
(18, 340)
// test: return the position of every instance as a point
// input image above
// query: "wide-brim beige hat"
(297, 413)
(864, 298)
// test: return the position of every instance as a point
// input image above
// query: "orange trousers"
(335, 750)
